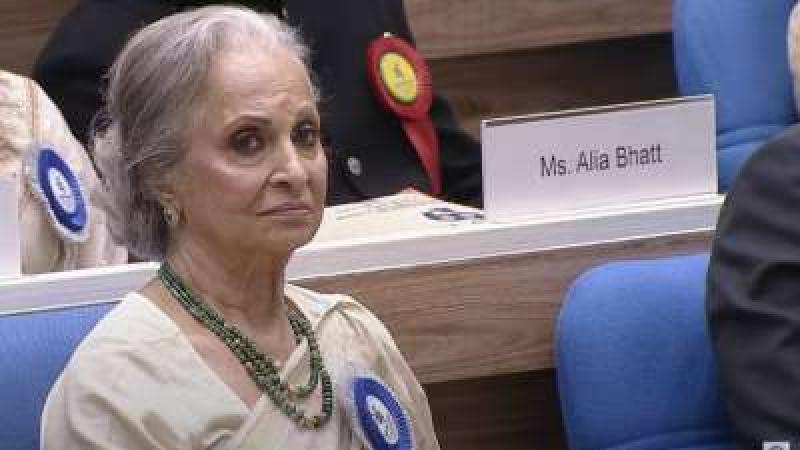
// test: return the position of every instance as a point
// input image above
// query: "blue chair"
(736, 50)
(34, 348)
(633, 359)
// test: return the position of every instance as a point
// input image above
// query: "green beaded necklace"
(261, 368)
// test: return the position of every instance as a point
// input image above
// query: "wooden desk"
(479, 333)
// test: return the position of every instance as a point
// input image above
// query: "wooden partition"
(451, 28)
(24, 28)
(496, 58)
(443, 28)
(556, 78)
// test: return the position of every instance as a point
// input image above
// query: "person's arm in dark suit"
(460, 156)
(72, 66)
(754, 295)
(460, 153)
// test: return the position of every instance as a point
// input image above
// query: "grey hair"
(154, 85)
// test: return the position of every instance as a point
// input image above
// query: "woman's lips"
(288, 209)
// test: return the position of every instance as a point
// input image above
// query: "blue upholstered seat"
(736, 50)
(634, 364)
(34, 348)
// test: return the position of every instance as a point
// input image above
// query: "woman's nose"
(291, 169)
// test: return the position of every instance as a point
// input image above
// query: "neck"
(246, 289)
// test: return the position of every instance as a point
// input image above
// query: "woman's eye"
(247, 142)
(305, 136)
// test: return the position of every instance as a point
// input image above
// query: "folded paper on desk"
(381, 218)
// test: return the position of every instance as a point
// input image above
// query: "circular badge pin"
(380, 419)
(400, 77)
(60, 192)
(401, 81)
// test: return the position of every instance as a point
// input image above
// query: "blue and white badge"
(59, 190)
(379, 418)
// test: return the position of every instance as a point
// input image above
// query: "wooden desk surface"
(489, 316)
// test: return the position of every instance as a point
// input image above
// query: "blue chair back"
(633, 358)
(35, 348)
(737, 51)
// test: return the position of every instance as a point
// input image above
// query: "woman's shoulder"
(135, 349)
(135, 321)
(138, 372)
(134, 332)
(351, 336)
(340, 314)
(319, 307)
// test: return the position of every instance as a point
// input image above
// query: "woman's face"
(254, 176)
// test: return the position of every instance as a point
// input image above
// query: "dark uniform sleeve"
(73, 64)
(459, 153)
(754, 295)
(460, 156)
(371, 155)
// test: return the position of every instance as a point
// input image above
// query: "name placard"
(595, 157)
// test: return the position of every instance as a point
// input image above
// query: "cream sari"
(137, 383)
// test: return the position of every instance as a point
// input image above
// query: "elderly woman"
(212, 158)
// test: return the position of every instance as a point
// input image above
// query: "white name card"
(591, 158)
(10, 264)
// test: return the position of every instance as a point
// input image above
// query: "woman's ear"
(170, 207)
(165, 198)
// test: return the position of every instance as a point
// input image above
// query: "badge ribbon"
(59, 189)
(377, 416)
(402, 82)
